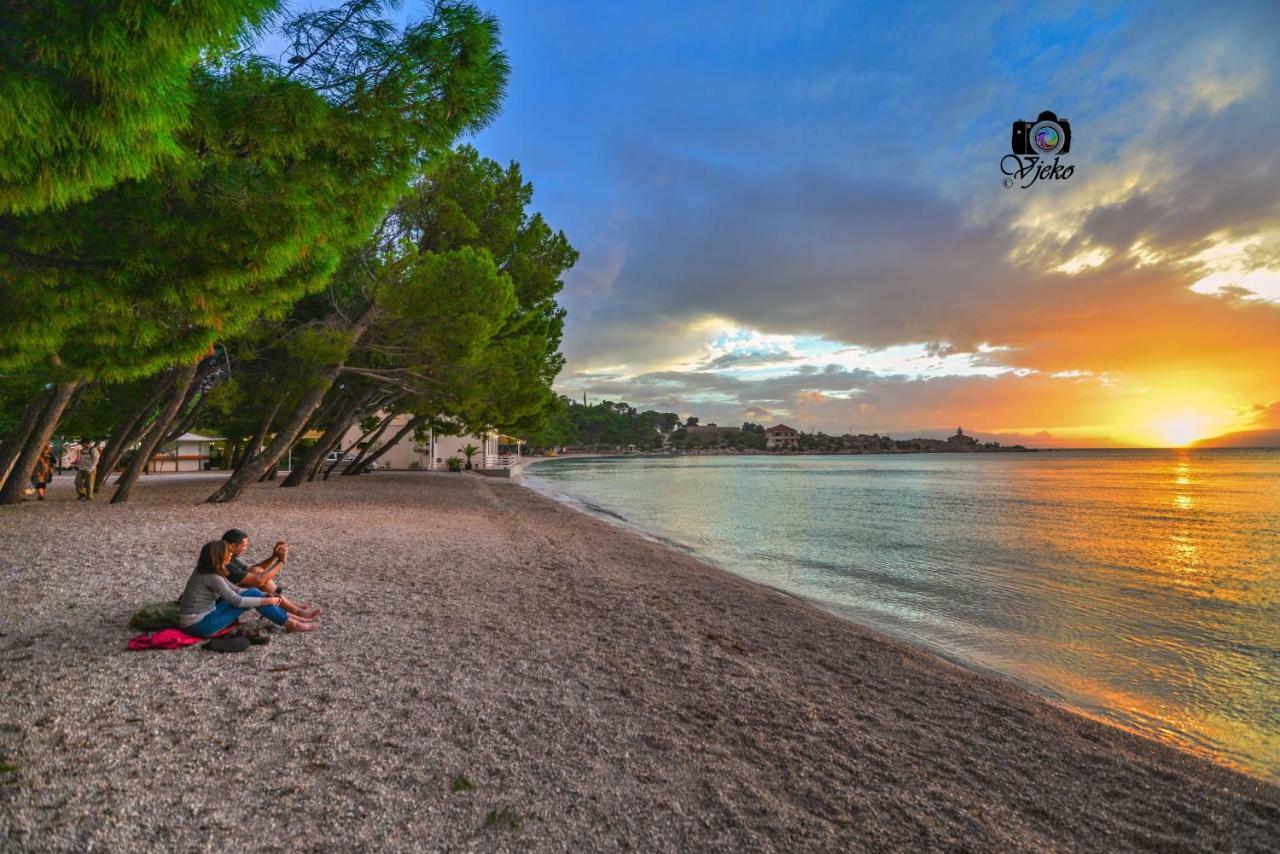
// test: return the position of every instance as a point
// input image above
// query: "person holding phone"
(211, 603)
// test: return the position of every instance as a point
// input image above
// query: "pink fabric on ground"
(167, 639)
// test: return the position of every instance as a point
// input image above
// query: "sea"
(1138, 587)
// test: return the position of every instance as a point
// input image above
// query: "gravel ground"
(586, 689)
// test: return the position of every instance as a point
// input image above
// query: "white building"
(782, 438)
(188, 452)
(493, 450)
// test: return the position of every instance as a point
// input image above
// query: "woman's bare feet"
(293, 624)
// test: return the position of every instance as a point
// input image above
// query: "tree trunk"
(260, 434)
(129, 432)
(404, 431)
(38, 440)
(188, 421)
(16, 440)
(114, 449)
(256, 466)
(182, 384)
(315, 455)
(321, 415)
(364, 452)
(342, 453)
(192, 412)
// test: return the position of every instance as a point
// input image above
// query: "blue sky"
(793, 211)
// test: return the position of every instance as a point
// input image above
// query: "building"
(781, 438)
(493, 450)
(188, 452)
(960, 440)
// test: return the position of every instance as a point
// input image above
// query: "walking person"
(86, 465)
(43, 473)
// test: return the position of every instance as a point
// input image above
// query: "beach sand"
(598, 691)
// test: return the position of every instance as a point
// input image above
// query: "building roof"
(781, 428)
(196, 437)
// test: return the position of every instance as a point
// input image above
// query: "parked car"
(347, 460)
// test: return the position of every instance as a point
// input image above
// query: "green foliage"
(95, 93)
(605, 425)
(461, 784)
(285, 171)
(465, 201)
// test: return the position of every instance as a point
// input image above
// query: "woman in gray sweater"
(210, 602)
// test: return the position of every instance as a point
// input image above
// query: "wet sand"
(587, 689)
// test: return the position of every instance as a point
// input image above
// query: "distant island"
(1242, 439)
(618, 427)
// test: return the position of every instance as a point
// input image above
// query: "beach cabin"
(782, 438)
(189, 452)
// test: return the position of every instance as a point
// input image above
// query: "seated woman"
(210, 602)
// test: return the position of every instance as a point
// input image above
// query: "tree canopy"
(95, 93)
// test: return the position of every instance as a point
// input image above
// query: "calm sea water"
(1142, 587)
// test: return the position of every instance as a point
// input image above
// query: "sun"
(1181, 429)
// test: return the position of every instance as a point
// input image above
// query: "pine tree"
(287, 168)
(92, 93)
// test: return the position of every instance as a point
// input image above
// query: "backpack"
(160, 615)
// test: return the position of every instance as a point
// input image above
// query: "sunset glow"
(1181, 430)
(877, 280)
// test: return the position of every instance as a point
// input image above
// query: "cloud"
(834, 182)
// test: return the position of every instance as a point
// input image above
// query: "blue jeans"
(224, 614)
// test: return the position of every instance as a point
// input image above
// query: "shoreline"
(1046, 693)
(607, 690)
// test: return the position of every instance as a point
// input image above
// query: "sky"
(793, 212)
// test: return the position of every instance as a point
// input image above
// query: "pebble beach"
(495, 671)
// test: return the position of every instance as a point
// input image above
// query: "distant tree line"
(602, 425)
(610, 426)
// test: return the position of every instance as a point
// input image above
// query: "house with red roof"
(782, 438)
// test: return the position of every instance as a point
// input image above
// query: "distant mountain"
(1243, 439)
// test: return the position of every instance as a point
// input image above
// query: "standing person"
(43, 472)
(86, 464)
(210, 603)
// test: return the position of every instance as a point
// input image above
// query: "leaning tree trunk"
(38, 440)
(191, 410)
(412, 424)
(342, 453)
(114, 448)
(260, 433)
(125, 483)
(129, 432)
(257, 465)
(341, 423)
(320, 414)
(364, 452)
(16, 440)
